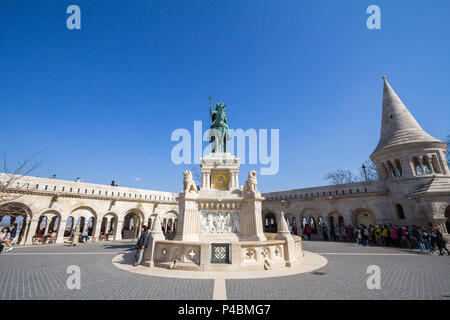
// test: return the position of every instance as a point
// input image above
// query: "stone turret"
(405, 149)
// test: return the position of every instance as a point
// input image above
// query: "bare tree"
(341, 177)
(196, 174)
(14, 179)
(371, 171)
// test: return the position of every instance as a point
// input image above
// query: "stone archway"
(48, 227)
(132, 224)
(364, 217)
(107, 227)
(20, 214)
(309, 217)
(169, 221)
(270, 223)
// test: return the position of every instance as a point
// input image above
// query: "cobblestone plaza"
(40, 273)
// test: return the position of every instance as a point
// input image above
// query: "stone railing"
(64, 188)
(342, 190)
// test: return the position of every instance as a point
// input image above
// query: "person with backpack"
(141, 245)
(364, 236)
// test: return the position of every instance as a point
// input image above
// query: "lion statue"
(188, 182)
(250, 184)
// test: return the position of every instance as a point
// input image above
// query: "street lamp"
(365, 172)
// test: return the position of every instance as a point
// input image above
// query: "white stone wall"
(63, 199)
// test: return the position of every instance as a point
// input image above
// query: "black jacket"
(143, 240)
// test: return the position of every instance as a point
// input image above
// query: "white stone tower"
(412, 165)
(405, 150)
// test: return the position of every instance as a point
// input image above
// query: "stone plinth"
(188, 221)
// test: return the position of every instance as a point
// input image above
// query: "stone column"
(189, 222)
(23, 231)
(97, 229)
(203, 180)
(61, 229)
(251, 218)
(206, 179)
(108, 224)
(31, 231)
(234, 179)
(118, 229)
(47, 225)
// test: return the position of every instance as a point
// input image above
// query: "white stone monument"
(220, 226)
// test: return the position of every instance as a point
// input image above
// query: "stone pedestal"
(251, 218)
(188, 221)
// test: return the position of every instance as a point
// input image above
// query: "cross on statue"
(192, 253)
(249, 253)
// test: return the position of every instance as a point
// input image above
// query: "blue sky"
(101, 103)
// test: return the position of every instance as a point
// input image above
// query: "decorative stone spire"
(398, 126)
(283, 229)
(156, 232)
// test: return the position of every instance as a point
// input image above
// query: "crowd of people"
(425, 238)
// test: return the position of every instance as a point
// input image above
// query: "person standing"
(364, 236)
(5, 238)
(377, 235)
(426, 239)
(358, 235)
(324, 230)
(142, 244)
(308, 231)
(13, 234)
(440, 242)
(336, 233)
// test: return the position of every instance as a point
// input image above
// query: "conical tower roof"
(398, 126)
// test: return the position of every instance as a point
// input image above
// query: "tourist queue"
(425, 238)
